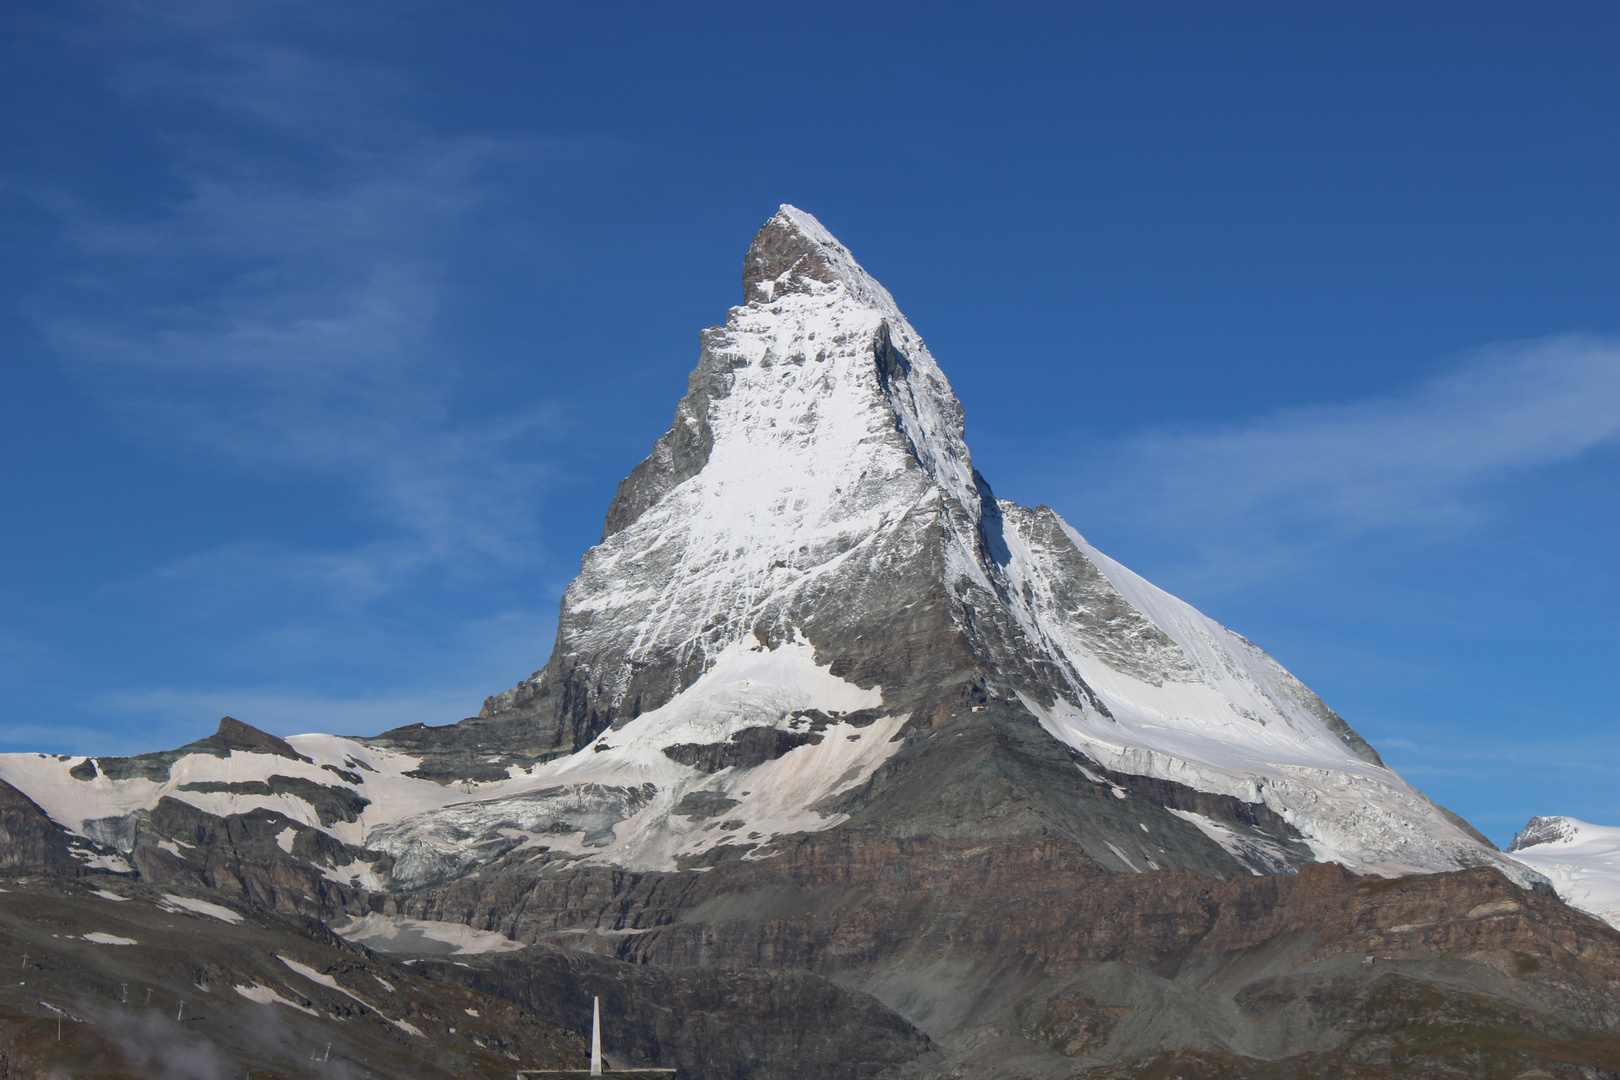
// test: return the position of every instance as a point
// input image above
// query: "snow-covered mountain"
(842, 765)
(814, 511)
(1581, 860)
(804, 579)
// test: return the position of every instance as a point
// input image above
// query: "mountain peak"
(1581, 860)
(794, 253)
(810, 531)
(1547, 830)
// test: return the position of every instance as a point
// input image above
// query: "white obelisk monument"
(596, 1036)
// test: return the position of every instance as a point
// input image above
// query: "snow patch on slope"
(172, 902)
(1261, 858)
(396, 934)
(1203, 707)
(624, 777)
(1346, 814)
(622, 800)
(264, 995)
(84, 807)
(322, 980)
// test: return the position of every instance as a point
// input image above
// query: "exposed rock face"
(1545, 830)
(242, 855)
(331, 803)
(781, 261)
(30, 842)
(968, 940)
(232, 735)
(719, 1025)
(166, 983)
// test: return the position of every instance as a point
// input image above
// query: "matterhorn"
(843, 766)
(807, 584)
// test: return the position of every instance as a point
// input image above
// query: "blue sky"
(327, 331)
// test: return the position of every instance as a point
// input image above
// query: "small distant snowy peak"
(1550, 830)
(1581, 860)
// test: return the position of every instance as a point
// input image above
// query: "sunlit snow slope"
(1581, 860)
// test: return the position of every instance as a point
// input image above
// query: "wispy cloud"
(1252, 498)
(276, 302)
(282, 311)
(304, 669)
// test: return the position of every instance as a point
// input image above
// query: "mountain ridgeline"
(832, 733)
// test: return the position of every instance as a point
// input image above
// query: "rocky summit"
(843, 766)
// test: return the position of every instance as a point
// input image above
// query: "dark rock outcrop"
(30, 842)
(782, 260)
(241, 855)
(331, 802)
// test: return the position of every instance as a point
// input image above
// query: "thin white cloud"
(1572, 771)
(282, 314)
(260, 574)
(1439, 750)
(491, 652)
(280, 311)
(1253, 497)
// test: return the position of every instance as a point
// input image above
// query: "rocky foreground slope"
(918, 766)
